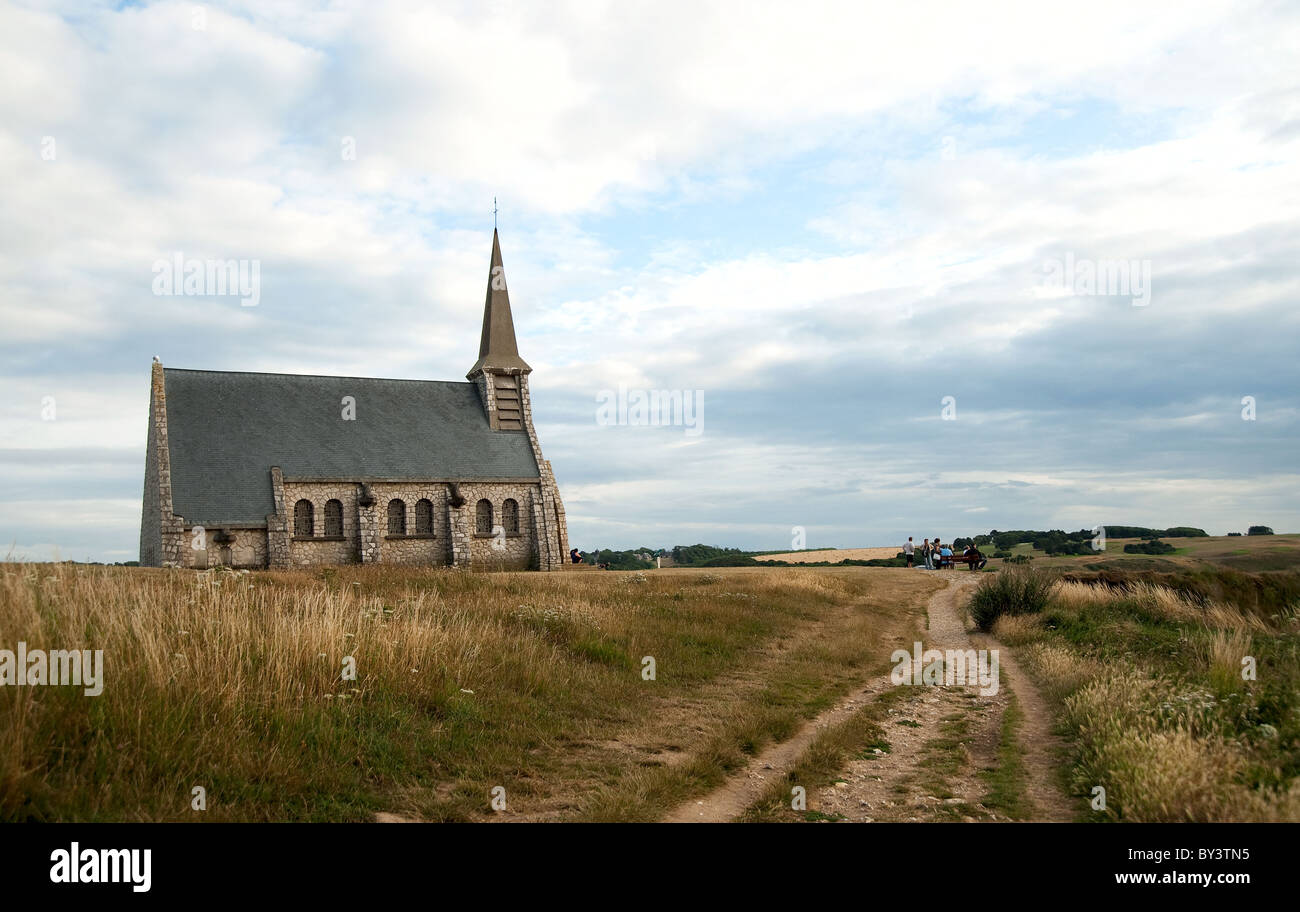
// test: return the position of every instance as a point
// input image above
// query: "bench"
(949, 563)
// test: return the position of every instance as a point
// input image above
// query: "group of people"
(935, 555)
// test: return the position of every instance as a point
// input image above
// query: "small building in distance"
(254, 470)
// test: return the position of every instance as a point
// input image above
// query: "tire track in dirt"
(938, 739)
(1044, 750)
(676, 727)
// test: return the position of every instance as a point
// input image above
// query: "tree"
(1259, 530)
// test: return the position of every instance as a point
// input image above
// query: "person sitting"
(575, 556)
(945, 555)
(972, 557)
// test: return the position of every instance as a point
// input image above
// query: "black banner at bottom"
(366, 861)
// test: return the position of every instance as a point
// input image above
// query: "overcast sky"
(826, 218)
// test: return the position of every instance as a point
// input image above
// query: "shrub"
(1259, 530)
(1149, 547)
(1009, 592)
(728, 560)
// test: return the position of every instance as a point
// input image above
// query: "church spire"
(497, 349)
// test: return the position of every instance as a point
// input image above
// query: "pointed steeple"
(497, 349)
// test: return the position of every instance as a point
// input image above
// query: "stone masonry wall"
(246, 550)
(515, 551)
(277, 526)
(161, 531)
(553, 547)
(316, 549)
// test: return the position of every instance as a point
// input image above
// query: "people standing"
(926, 555)
(909, 551)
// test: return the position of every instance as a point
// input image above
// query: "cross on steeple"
(494, 213)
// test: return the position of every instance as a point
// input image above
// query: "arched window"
(483, 518)
(396, 517)
(302, 519)
(334, 519)
(510, 517)
(423, 517)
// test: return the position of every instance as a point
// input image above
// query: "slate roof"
(226, 430)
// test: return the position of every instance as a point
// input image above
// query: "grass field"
(536, 684)
(530, 682)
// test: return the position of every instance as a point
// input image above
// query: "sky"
(860, 240)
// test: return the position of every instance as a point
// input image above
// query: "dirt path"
(936, 742)
(730, 800)
(1043, 748)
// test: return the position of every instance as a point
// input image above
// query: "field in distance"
(834, 555)
(1250, 553)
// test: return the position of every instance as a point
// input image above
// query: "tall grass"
(234, 682)
(1148, 682)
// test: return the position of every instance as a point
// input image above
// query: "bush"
(1002, 555)
(1009, 592)
(1149, 547)
(1259, 530)
(729, 560)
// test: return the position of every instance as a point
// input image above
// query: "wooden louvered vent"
(510, 416)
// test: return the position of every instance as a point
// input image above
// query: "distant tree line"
(1058, 542)
(635, 559)
(1052, 542)
(689, 555)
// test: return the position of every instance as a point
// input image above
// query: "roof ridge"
(199, 370)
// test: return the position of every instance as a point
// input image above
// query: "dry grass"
(464, 681)
(1165, 756)
(1060, 671)
(1222, 655)
(1161, 602)
(1074, 595)
(1148, 683)
(1017, 629)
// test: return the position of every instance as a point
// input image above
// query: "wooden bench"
(948, 563)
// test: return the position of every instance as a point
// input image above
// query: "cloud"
(826, 217)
